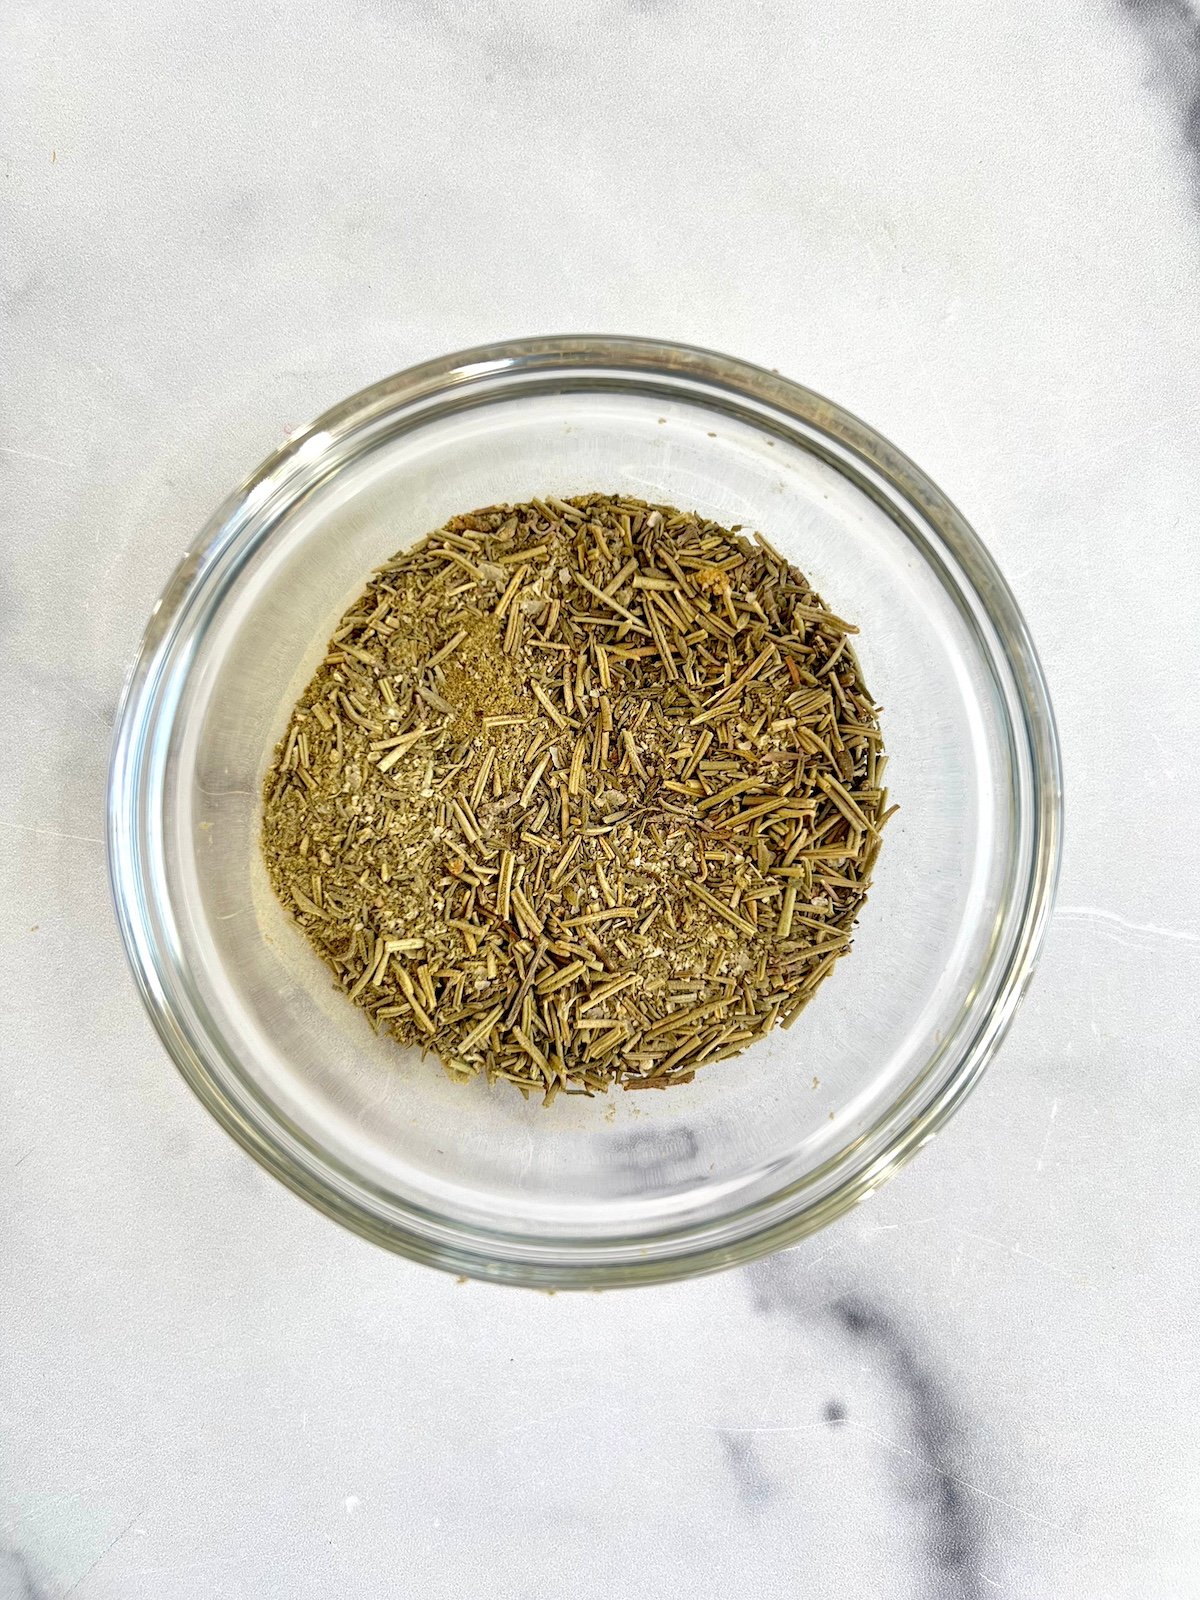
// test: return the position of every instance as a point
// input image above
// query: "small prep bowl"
(760, 1149)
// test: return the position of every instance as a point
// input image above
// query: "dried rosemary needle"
(584, 792)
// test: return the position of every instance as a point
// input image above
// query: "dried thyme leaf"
(585, 792)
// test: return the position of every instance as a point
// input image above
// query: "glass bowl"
(760, 1149)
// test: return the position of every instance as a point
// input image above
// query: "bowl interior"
(388, 1132)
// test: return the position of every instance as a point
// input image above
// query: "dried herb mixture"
(584, 792)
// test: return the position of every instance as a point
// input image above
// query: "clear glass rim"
(134, 828)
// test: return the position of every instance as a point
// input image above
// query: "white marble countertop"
(979, 228)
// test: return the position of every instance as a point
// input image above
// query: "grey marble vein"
(928, 1460)
(1172, 31)
(16, 1579)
